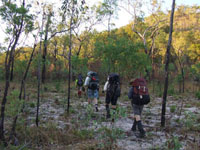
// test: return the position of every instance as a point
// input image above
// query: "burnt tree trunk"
(167, 65)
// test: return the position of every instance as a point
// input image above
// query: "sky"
(123, 17)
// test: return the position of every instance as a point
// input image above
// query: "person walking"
(79, 84)
(112, 89)
(92, 85)
(139, 95)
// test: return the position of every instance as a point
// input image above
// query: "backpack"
(94, 81)
(114, 84)
(80, 80)
(140, 92)
(113, 78)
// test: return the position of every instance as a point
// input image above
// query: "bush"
(174, 144)
(198, 95)
(172, 108)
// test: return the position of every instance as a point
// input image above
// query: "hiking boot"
(113, 120)
(108, 115)
(140, 135)
(97, 109)
(134, 125)
(140, 128)
(108, 112)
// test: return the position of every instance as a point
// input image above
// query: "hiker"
(112, 89)
(138, 93)
(79, 84)
(92, 84)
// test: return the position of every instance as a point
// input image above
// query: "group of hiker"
(138, 93)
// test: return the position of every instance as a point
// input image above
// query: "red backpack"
(140, 92)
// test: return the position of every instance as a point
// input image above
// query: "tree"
(118, 52)
(167, 65)
(73, 9)
(45, 43)
(18, 21)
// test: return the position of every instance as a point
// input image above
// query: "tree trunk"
(70, 49)
(39, 82)
(183, 78)
(167, 65)
(39, 75)
(12, 68)
(20, 94)
(45, 50)
(7, 77)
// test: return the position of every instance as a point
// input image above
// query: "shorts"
(112, 99)
(93, 93)
(137, 109)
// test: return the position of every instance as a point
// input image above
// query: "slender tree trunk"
(55, 54)
(7, 77)
(8, 62)
(167, 65)
(22, 87)
(39, 83)
(39, 75)
(45, 50)
(12, 68)
(70, 49)
(183, 78)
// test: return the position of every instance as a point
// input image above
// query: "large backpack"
(80, 80)
(94, 81)
(114, 85)
(140, 92)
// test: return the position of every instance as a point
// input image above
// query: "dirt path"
(181, 132)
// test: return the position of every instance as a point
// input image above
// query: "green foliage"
(195, 71)
(174, 143)
(2, 76)
(172, 108)
(12, 14)
(190, 121)
(13, 147)
(84, 134)
(32, 105)
(20, 67)
(171, 90)
(171, 67)
(79, 65)
(58, 86)
(118, 52)
(109, 137)
(197, 95)
(14, 105)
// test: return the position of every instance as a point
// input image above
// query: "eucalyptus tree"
(18, 21)
(146, 30)
(45, 43)
(22, 93)
(72, 10)
(106, 11)
(167, 65)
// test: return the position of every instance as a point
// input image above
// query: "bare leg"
(89, 101)
(96, 104)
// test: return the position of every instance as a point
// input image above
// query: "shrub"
(198, 95)
(172, 108)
